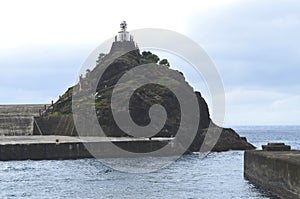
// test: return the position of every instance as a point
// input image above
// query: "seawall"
(18, 119)
(275, 171)
(69, 147)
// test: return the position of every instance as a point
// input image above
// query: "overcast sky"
(255, 46)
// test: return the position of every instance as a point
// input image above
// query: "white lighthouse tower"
(123, 35)
(123, 40)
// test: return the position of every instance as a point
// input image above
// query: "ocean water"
(219, 175)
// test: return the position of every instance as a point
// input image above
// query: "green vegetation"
(122, 63)
(68, 93)
(148, 57)
(164, 62)
(55, 114)
(100, 58)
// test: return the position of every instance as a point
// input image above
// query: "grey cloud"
(34, 74)
(253, 43)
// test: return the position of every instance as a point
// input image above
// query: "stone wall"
(18, 119)
(54, 125)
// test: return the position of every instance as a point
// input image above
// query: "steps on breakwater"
(277, 171)
(18, 119)
(54, 125)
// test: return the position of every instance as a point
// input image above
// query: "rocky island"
(58, 119)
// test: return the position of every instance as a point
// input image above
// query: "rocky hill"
(140, 102)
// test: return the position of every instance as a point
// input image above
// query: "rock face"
(229, 139)
(140, 102)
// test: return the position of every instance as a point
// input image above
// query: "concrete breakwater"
(27, 135)
(66, 147)
(24, 135)
(276, 170)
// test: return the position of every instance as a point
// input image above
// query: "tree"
(100, 58)
(164, 62)
(148, 57)
(87, 73)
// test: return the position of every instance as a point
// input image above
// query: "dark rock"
(230, 140)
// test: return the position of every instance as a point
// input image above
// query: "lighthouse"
(123, 35)
(123, 40)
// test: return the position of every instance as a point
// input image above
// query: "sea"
(218, 175)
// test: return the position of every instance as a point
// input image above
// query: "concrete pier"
(49, 147)
(275, 171)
